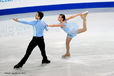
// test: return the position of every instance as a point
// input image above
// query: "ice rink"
(92, 52)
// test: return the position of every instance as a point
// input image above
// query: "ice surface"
(92, 52)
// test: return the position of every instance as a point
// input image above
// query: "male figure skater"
(37, 40)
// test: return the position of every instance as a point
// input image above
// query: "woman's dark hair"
(63, 16)
(40, 14)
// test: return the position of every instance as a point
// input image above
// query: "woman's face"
(60, 18)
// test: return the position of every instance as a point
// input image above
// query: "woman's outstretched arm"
(55, 25)
(73, 16)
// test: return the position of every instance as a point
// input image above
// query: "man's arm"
(24, 22)
(73, 16)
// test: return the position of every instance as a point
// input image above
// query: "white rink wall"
(28, 3)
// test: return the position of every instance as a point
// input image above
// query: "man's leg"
(31, 46)
(41, 45)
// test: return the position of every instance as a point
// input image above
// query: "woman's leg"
(83, 16)
(68, 40)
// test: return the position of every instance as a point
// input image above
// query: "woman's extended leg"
(83, 16)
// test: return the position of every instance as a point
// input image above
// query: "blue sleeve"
(45, 27)
(29, 23)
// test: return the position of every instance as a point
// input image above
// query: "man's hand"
(15, 19)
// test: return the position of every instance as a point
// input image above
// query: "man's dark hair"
(40, 14)
(63, 16)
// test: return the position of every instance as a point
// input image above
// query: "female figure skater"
(70, 28)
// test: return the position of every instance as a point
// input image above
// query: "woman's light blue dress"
(71, 29)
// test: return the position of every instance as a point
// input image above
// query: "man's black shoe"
(17, 66)
(46, 61)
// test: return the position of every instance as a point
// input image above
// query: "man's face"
(37, 16)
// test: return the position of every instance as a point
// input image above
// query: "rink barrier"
(57, 7)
